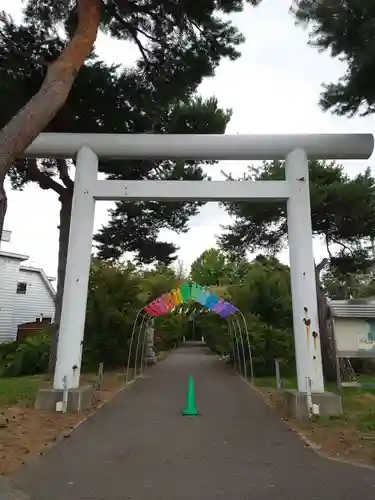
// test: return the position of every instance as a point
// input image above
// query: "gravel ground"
(139, 447)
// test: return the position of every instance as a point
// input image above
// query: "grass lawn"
(287, 383)
(22, 390)
(19, 390)
(351, 435)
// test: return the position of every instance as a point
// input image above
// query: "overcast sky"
(273, 88)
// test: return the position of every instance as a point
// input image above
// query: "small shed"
(354, 327)
(354, 336)
(32, 329)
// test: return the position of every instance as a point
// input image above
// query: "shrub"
(29, 357)
(170, 330)
(266, 342)
(112, 304)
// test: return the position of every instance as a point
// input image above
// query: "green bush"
(116, 293)
(28, 357)
(266, 342)
(6, 349)
(170, 329)
(215, 332)
(112, 304)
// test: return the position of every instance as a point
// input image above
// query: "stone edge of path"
(316, 448)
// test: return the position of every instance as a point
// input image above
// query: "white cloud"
(273, 88)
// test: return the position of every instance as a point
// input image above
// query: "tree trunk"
(3, 206)
(327, 343)
(32, 119)
(65, 216)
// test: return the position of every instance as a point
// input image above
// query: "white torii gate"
(296, 149)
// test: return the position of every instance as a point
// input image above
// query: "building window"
(46, 320)
(21, 288)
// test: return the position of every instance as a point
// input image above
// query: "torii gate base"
(296, 149)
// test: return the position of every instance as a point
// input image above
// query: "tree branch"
(24, 54)
(64, 174)
(22, 129)
(140, 46)
(33, 174)
(132, 31)
(158, 170)
(345, 247)
(153, 39)
(322, 264)
(326, 239)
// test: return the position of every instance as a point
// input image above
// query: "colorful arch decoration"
(186, 292)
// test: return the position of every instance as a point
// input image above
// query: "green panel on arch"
(185, 291)
(196, 290)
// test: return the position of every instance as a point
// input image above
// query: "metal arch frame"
(234, 333)
(242, 346)
(248, 345)
(234, 327)
(131, 344)
(231, 321)
(148, 316)
(234, 344)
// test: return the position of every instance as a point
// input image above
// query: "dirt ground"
(349, 437)
(25, 432)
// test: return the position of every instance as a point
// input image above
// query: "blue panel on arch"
(211, 301)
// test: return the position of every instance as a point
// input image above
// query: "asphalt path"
(139, 447)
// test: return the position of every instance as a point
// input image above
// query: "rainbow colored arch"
(185, 293)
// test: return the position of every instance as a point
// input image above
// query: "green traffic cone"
(191, 409)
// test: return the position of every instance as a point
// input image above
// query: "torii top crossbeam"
(203, 146)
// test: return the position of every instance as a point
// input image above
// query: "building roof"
(46, 280)
(15, 256)
(354, 308)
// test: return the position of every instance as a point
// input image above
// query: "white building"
(26, 295)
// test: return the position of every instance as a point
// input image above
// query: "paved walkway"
(138, 447)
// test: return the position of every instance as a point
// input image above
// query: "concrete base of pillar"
(78, 399)
(295, 404)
